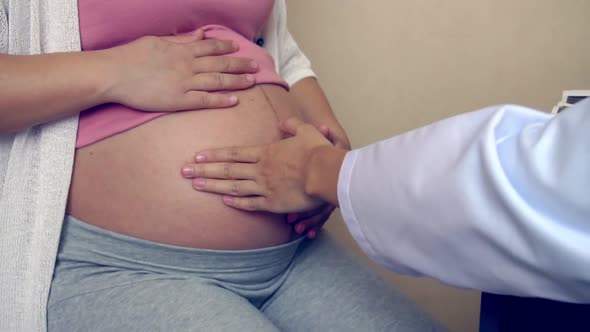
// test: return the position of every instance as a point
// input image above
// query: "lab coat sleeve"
(496, 200)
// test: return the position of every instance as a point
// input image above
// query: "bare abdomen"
(131, 184)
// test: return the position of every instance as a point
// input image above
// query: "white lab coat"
(496, 200)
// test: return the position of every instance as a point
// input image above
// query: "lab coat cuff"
(345, 202)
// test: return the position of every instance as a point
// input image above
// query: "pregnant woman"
(138, 248)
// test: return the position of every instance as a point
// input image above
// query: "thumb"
(325, 130)
(291, 125)
(187, 37)
(329, 135)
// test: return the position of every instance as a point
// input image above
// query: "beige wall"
(391, 66)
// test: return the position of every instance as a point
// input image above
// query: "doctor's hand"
(277, 178)
(311, 222)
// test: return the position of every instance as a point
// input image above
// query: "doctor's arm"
(495, 200)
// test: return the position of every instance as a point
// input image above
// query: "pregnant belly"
(130, 183)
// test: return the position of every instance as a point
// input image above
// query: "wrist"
(322, 172)
(107, 76)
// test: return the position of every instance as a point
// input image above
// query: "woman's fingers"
(313, 233)
(209, 47)
(195, 100)
(307, 224)
(232, 154)
(199, 34)
(247, 203)
(292, 217)
(196, 35)
(239, 188)
(314, 219)
(224, 64)
(218, 81)
(220, 171)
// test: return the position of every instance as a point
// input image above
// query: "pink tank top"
(109, 23)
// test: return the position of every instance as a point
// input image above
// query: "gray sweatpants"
(105, 281)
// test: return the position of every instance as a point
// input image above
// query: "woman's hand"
(177, 73)
(273, 178)
(310, 222)
(152, 73)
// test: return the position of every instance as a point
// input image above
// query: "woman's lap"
(110, 282)
(320, 288)
(158, 305)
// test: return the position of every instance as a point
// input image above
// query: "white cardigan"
(36, 164)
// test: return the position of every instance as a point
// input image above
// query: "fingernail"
(200, 158)
(228, 200)
(253, 64)
(299, 228)
(250, 78)
(188, 171)
(199, 183)
(233, 99)
(292, 217)
(235, 45)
